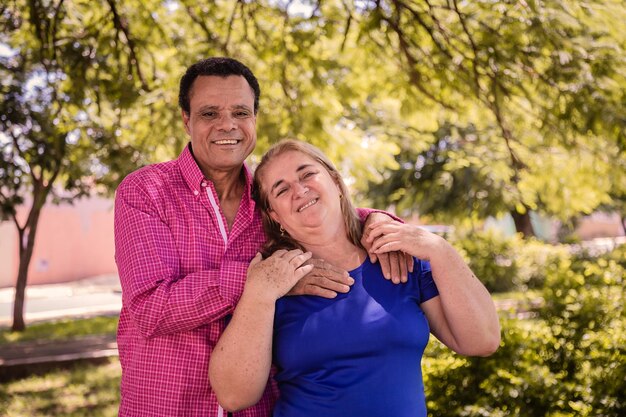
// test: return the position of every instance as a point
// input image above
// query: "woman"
(358, 354)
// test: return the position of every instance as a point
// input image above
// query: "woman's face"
(301, 193)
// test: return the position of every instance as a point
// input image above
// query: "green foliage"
(570, 360)
(62, 329)
(516, 82)
(489, 255)
(507, 263)
(449, 109)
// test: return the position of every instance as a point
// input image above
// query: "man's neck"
(228, 184)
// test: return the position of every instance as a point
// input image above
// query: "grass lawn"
(61, 329)
(79, 390)
(82, 390)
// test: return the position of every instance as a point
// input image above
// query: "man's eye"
(209, 114)
(280, 192)
(242, 114)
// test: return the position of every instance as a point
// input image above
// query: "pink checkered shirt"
(182, 272)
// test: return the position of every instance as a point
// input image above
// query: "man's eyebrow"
(207, 107)
(279, 182)
(241, 107)
(217, 108)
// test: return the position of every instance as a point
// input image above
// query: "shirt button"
(204, 184)
(195, 192)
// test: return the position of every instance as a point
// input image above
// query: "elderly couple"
(269, 293)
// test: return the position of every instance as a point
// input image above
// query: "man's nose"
(226, 123)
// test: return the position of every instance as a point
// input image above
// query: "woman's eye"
(280, 192)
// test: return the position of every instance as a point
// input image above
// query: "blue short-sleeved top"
(358, 354)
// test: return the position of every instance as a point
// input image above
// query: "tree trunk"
(26, 236)
(523, 224)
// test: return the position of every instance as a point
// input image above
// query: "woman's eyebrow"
(280, 181)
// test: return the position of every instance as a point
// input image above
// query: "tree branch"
(414, 76)
(474, 59)
(122, 25)
(230, 26)
(348, 24)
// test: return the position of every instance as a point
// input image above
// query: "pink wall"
(73, 242)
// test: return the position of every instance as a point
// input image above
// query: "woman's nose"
(300, 189)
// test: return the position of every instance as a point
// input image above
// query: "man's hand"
(325, 280)
(395, 264)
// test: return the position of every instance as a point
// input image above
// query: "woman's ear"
(273, 215)
(338, 187)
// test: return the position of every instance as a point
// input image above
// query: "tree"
(542, 81)
(71, 69)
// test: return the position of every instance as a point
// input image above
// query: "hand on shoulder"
(273, 277)
(408, 238)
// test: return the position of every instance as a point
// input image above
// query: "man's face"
(221, 123)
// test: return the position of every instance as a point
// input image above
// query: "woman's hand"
(273, 277)
(407, 238)
(395, 264)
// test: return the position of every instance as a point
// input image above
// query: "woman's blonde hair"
(277, 240)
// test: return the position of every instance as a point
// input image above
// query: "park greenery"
(453, 110)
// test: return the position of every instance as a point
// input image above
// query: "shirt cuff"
(232, 280)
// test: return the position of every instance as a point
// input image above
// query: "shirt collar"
(194, 177)
(190, 170)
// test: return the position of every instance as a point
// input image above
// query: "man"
(185, 232)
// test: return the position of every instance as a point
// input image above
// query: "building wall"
(599, 225)
(73, 241)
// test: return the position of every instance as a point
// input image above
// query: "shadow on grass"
(78, 390)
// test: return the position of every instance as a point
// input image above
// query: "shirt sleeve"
(364, 212)
(426, 283)
(160, 300)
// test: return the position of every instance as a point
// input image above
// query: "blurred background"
(499, 124)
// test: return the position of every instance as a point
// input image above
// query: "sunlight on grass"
(62, 329)
(81, 391)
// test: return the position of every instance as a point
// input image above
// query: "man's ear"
(185, 116)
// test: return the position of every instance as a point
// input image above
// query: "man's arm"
(160, 300)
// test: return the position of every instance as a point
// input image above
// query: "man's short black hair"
(218, 66)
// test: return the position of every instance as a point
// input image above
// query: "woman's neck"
(341, 253)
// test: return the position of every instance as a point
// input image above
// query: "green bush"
(488, 254)
(568, 361)
(507, 263)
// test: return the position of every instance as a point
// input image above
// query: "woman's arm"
(240, 363)
(464, 316)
